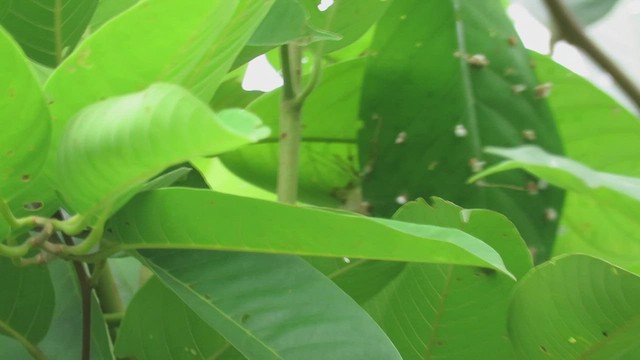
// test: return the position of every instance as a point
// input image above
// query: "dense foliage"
(443, 192)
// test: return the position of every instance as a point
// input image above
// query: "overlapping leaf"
(47, 30)
(616, 195)
(328, 156)
(159, 325)
(576, 307)
(445, 79)
(600, 133)
(111, 148)
(440, 311)
(202, 219)
(260, 303)
(192, 43)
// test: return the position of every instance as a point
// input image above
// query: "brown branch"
(571, 30)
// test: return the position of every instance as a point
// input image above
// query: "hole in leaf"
(33, 206)
(325, 4)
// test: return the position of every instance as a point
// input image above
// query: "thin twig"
(571, 30)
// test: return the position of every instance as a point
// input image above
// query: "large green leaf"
(26, 301)
(616, 196)
(159, 325)
(24, 119)
(576, 307)
(446, 78)
(348, 18)
(600, 133)
(328, 157)
(271, 306)
(47, 30)
(63, 341)
(107, 10)
(192, 43)
(174, 219)
(440, 311)
(113, 147)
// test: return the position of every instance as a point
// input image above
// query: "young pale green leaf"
(26, 303)
(192, 43)
(600, 133)
(328, 164)
(159, 325)
(576, 307)
(62, 339)
(445, 79)
(270, 306)
(425, 308)
(47, 30)
(616, 195)
(24, 119)
(110, 149)
(188, 219)
(348, 18)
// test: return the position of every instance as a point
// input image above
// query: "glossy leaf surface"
(576, 307)
(188, 219)
(47, 30)
(445, 79)
(111, 148)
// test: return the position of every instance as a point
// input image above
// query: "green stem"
(109, 295)
(290, 125)
(571, 31)
(31, 348)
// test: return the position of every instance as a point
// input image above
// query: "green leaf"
(616, 195)
(441, 311)
(25, 121)
(159, 325)
(26, 303)
(348, 18)
(113, 147)
(63, 339)
(576, 307)
(172, 219)
(107, 10)
(260, 303)
(47, 30)
(203, 40)
(445, 79)
(327, 154)
(273, 31)
(605, 145)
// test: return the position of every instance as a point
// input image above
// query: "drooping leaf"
(441, 311)
(348, 18)
(25, 121)
(576, 307)
(446, 78)
(202, 219)
(616, 195)
(113, 147)
(261, 304)
(159, 325)
(600, 133)
(193, 43)
(26, 301)
(47, 30)
(328, 157)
